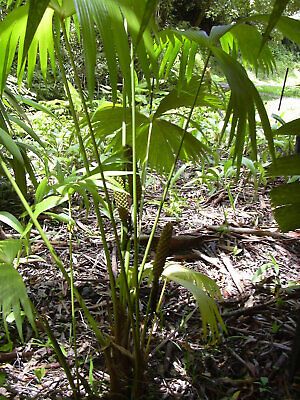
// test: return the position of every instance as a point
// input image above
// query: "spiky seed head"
(122, 202)
(162, 250)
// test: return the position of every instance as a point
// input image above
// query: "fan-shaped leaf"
(37, 9)
(204, 290)
(278, 8)
(248, 40)
(9, 249)
(288, 26)
(185, 97)
(13, 296)
(165, 137)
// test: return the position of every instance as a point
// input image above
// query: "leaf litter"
(257, 274)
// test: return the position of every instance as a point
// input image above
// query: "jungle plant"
(142, 140)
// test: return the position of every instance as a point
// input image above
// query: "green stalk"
(135, 203)
(167, 186)
(70, 227)
(145, 162)
(102, 338)
(97, 156)
(155, 317)
(61, 357)
(136, 328)
(86, 165)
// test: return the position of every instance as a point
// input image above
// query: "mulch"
(238, 245)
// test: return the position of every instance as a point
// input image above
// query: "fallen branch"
(249, 231)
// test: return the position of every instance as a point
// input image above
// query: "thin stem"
(102, 338)
(70, 227)
(136, 328)
(98, 160)
(155, 318)
(87, 167)
(165, 192)
(167, 186)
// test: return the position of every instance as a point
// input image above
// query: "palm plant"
(129, 38)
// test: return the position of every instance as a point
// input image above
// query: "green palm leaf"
(13, 296)
(278, 8)
(185, 97)
(244, 100)
(288, 26)
(246, 39)
(13, 293)
(165, 137)
(12, 41)
(37, 9)
(204, 290)
(285, 201)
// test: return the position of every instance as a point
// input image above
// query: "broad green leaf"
(48, 203)
(10, 220)
(165, 137)
(13, 296)
(61, 217)
(185, 97)
(63, 9)
(42, 190)
(243, 101)
(288, 26)
(10, 145)
(278, 8)
(149, 10)
(285, 200)
(20, 174)
(27, 129)
(9, 249)
(12, 37)
(204, 290)
(44, 205)
(36, 11)
(285, 166)
(286, 194)
(247, 39)
(289, 128)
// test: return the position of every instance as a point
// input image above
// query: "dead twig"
(249, 231)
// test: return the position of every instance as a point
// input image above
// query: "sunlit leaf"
(204, 290)
(185, 97)
(10, 220)
(37, 9)
(165, 137)
(277, 10)
(10, 145)
(9, 249)
(13, 296)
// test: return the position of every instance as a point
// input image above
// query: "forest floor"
(255, 266)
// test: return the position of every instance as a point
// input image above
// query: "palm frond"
(278, 8)
(165, 137)
(12, 40)
(288, 26)
(13, 293)
(285, 200)
(246, 39)
(205, 290)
